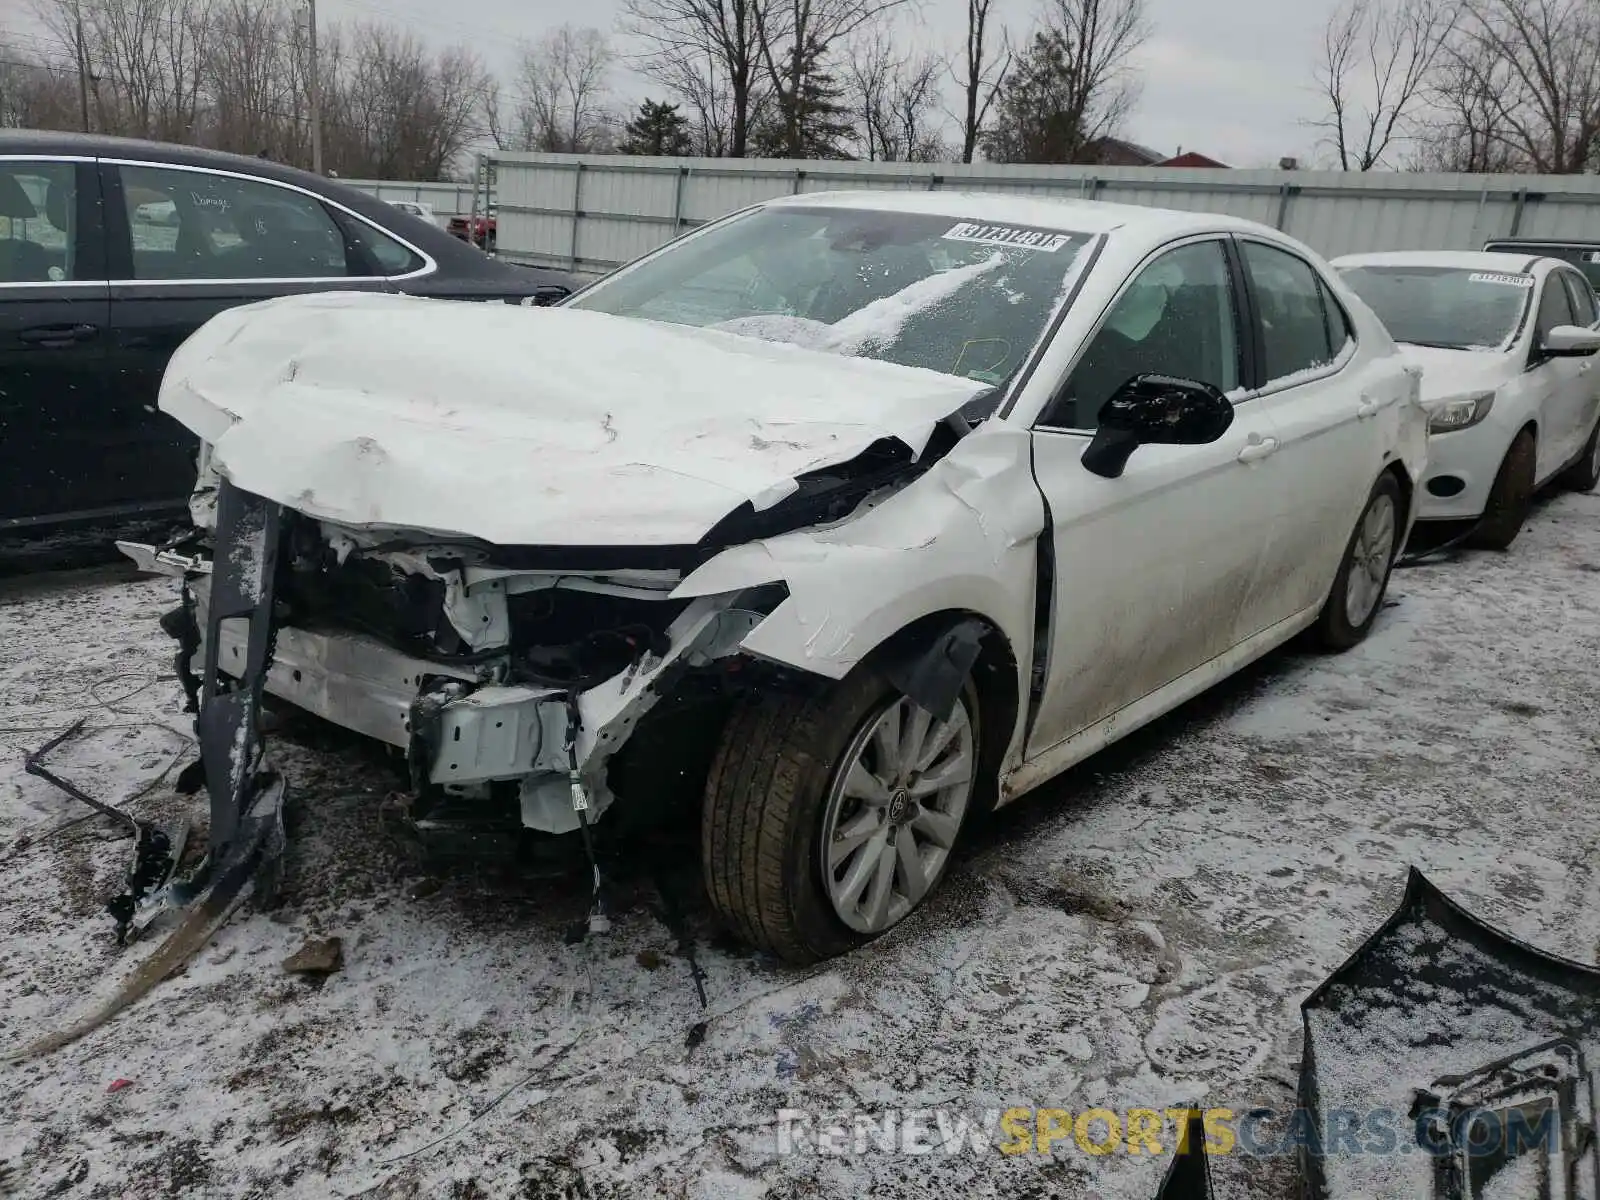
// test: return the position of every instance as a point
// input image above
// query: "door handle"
(1258, 448)
(1367, 408)
(57, 336)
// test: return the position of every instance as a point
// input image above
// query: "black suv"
(1581, 254)
(113, 251)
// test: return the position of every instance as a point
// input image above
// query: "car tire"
(1358, 589)
(1584, 475)
(1510, 497)
(776, 794)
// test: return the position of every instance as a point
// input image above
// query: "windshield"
(961, 297)
(1449, 307)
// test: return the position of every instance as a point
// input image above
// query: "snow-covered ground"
(1137, 934)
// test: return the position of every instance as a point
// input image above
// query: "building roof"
(1191, 159)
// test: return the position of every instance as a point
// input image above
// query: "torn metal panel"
(1479, 1049)
(245, 567)
(1188, 1175)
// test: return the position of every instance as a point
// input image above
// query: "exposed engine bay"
(491, 681)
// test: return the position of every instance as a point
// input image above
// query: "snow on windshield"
(876, 323)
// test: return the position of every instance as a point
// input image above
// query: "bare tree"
(795, 38)
(561, 86)
(1376, 59)
(35, 94)
(984, 64)
(893, 100)
(707, 53)
(1461, 128)
(1072, 87)
(1538, 61)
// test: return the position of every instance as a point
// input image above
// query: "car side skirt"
(1047, 764)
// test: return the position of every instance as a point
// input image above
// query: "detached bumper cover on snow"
(1482, 1047)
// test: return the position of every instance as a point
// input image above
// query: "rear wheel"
(828, 819)
(1510, 497)
(1357, 595)
(1584, 475)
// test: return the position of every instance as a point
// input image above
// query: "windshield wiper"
(1432, 345)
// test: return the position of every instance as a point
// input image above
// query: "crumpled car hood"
(530, 426)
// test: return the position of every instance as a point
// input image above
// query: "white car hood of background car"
(533, 426)
(1450, 373)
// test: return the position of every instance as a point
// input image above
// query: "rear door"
(53, 333)
(1329, 423)
(187, 243)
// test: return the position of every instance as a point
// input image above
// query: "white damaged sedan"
(1507, 344)
(862, 511)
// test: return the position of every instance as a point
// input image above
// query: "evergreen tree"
(658, 129)
(1037, 116)
(807, 117)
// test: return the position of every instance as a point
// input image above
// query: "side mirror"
(1570, 341)
(1155, 410)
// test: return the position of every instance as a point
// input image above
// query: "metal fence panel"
(591, 213)
(446, 199)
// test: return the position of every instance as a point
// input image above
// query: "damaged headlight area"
(521, 696)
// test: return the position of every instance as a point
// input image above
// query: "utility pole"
(316, 96)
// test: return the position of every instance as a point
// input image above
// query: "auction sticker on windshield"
(1008, 235)
(1517, 281)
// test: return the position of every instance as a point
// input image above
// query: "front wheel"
(1352, 606)
(1510, 496)
(828, 819)
(1584, 475)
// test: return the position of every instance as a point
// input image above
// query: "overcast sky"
(1228, 78)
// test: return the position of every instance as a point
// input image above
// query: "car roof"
(452, 254)
(1068, 216)
(1464, 260)
(1554, 241)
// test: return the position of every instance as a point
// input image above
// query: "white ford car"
(862, 511)
(1506, 343)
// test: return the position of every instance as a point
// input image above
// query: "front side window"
(1555, 306)
(197, 225)
(961, 297)
(1453, 308)
(38, 206)
(1176, 318)
(1295, 334)
(1582, 297)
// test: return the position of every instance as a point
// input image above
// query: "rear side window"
(199, 225)
(38, 203)
(390, 257)
(1295, 326)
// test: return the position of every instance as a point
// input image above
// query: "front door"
(53, 332)
(1561, 381)
(1150, 569)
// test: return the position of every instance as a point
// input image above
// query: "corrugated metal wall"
(591, 213)
(447, 199)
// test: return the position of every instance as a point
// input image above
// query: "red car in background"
(479, 229)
